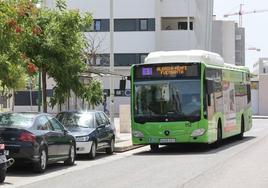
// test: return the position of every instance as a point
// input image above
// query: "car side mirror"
(65, 131)
(101, 126)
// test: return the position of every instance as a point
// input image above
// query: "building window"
(142, 58)
(128, 59)
(97, 25)
(182, 25)
(123, 59)
(134, 24)
(177, 23)
(99, 60)
(144, 25)
(264, 70)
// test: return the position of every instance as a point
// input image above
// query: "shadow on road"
(196, 149)
(25, 170)
(84, 157)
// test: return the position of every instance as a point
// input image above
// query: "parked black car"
(36, 138)
(92, 129)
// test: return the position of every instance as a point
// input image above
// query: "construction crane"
(241, 13)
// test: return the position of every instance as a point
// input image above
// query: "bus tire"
(154, 147)
(241, 135)
(219, 135)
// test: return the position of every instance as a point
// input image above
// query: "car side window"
(99, 120)
(104, 119)
(42, 123)
(56, 126)
(60, 117)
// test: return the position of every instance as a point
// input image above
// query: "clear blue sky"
(256, 25)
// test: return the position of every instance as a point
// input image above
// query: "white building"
(143, 26)
(228, 40)
(259, 87)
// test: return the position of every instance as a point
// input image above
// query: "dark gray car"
(92, 129)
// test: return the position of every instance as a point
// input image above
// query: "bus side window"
(209, 90)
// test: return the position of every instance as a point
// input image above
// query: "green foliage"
(93, 93)
(56, 47)
(49, 39)
(15, 23)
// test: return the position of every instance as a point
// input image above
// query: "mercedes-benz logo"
(166, 132)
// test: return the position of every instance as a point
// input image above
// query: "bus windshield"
(167, 101)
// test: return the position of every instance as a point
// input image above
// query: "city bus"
(188, 97)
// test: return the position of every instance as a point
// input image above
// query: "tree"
(16, 18)
(94, 48)
(44, 40)
(93, 93)
(56, 47)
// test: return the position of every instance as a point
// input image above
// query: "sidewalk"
(259, 117)
(123, 141)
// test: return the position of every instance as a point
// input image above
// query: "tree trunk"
(44, 90)
(94, 59)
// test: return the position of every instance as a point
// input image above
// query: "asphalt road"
(235, 164)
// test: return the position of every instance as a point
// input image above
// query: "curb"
(259, 117)
(120, 149)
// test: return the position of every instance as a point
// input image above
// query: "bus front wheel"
(154, 147)
(219, 136)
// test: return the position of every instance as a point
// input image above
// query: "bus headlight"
(138, 134)
(198, 132)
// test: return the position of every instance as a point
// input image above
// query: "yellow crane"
(242, 12)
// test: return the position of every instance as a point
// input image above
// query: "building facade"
(140, 27)
(260, 87)
(228, 40)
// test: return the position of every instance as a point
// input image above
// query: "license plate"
(6, 152)
(167, 140)
(153, 140)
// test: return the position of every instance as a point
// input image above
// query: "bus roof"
(190, 56)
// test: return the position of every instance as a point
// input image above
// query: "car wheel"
(154, 147)
(70, 161)
(41, 165)
(93, 151)
(2, 175)
(110, 150)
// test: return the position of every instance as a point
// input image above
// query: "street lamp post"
(111, 60)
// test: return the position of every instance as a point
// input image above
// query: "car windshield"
(17, 120)
(170, 100)
(84, 120)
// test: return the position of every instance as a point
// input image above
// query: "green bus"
(188, 97)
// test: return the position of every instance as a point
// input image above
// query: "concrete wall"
(177, 40)
(223, 40)
(263, 90)
(203, 24)
(239, 46)
(133, 8)
(177, 8)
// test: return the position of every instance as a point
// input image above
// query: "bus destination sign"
(172, 70)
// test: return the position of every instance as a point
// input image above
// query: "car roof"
(30, 112)
(80, 111)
